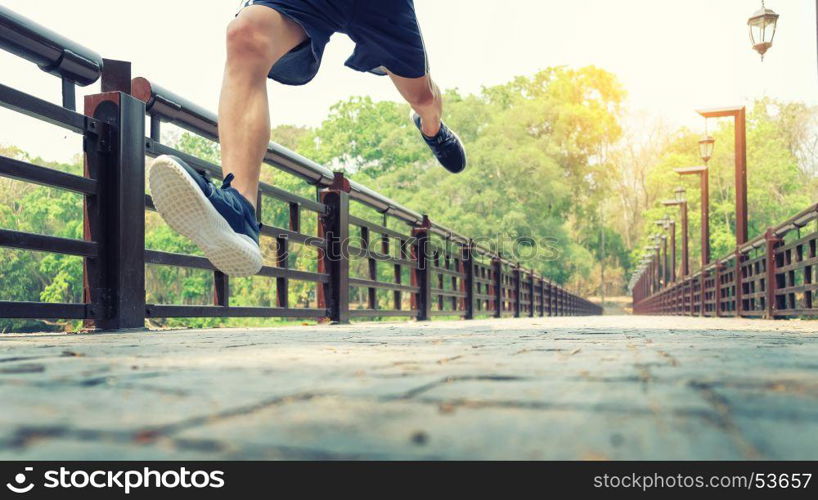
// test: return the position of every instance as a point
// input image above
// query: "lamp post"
(704, 180)
(738, 113)
(653, 266)
(665, 263)
(762, 26)
(661, 244)
(670, 224)
(657, 258)
(681, 202)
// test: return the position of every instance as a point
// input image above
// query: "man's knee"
(422, 98)
(247, 39)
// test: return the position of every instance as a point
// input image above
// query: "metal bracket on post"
(772, 242)
(423, 273)
(69, 94)
(114, 281)
(334, 261)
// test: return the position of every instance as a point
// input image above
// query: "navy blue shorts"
(386, 35)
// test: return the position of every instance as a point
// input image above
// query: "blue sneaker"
(446, 145)
(219, 220)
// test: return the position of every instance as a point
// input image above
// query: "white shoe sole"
(187, 210)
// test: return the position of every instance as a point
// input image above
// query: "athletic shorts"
(386, 35)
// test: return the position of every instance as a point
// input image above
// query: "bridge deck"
(558, 388)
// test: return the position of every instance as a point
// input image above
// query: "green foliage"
(35, 276)
(535, 149)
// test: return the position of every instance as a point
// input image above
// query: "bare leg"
(424, 97)
(256, 39)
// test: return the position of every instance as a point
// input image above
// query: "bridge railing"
(400, 261)
(774, 275)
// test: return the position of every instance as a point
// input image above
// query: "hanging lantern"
(706, 146)
(762, 26)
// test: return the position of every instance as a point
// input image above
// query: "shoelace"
(227, 181)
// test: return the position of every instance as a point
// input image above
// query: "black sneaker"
(219, 220)
(446, 146)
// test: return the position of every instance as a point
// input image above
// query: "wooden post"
(114, 282)
(771, 282)
(335, 260)
(423, 274)
(497, 268)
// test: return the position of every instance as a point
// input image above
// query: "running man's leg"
(256, 40)
(424, 97)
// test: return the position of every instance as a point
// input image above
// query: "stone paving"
(547, 388)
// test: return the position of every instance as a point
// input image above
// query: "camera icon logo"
(20, 485)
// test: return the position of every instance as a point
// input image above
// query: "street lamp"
(661, 245)
(681, 201)
(762, 26)
(669, 224)
(739, 115)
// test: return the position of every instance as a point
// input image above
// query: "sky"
(673, 56)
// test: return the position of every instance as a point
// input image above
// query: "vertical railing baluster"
(398, 295)
(221, 289)
(372, 268)
(468, 282)
(440, 279)
(739, 281)
(453, 264)
(531, 302)
(517, 283)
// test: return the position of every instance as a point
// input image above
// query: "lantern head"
(706, 146)
(762, 25)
